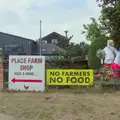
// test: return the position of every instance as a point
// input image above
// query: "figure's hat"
(110, 42)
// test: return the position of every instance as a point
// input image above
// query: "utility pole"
(40, 41)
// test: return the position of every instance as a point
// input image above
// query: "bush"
(93, 61)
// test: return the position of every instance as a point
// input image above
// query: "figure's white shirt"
(110, 53)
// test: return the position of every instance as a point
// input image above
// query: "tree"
(85, 48)
(110, 22)
(65, 42)
(77, 50)
(92, 30)
(99, 43)
(73, 50)
(107, 3)
(96, 35)
(108, 27)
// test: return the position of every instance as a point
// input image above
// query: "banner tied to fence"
(70, 77)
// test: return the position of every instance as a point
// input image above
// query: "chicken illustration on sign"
(26, 87)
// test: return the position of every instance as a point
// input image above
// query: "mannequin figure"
(107, 56)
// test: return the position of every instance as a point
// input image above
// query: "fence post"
(1, 69)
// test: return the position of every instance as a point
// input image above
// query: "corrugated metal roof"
(16, 36)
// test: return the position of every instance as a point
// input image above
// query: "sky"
(22, 17)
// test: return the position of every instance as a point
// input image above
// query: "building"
(51, 44)
(15, 45)
(53, 38)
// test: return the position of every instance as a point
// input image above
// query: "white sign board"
(27, 73)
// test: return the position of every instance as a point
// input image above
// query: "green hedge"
(93, 61)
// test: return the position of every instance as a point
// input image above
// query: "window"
(44, 41)
(54, 41)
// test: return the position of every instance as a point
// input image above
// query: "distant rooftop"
(53, 35)
(16, 36)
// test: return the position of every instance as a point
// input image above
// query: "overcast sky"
(21, 17)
